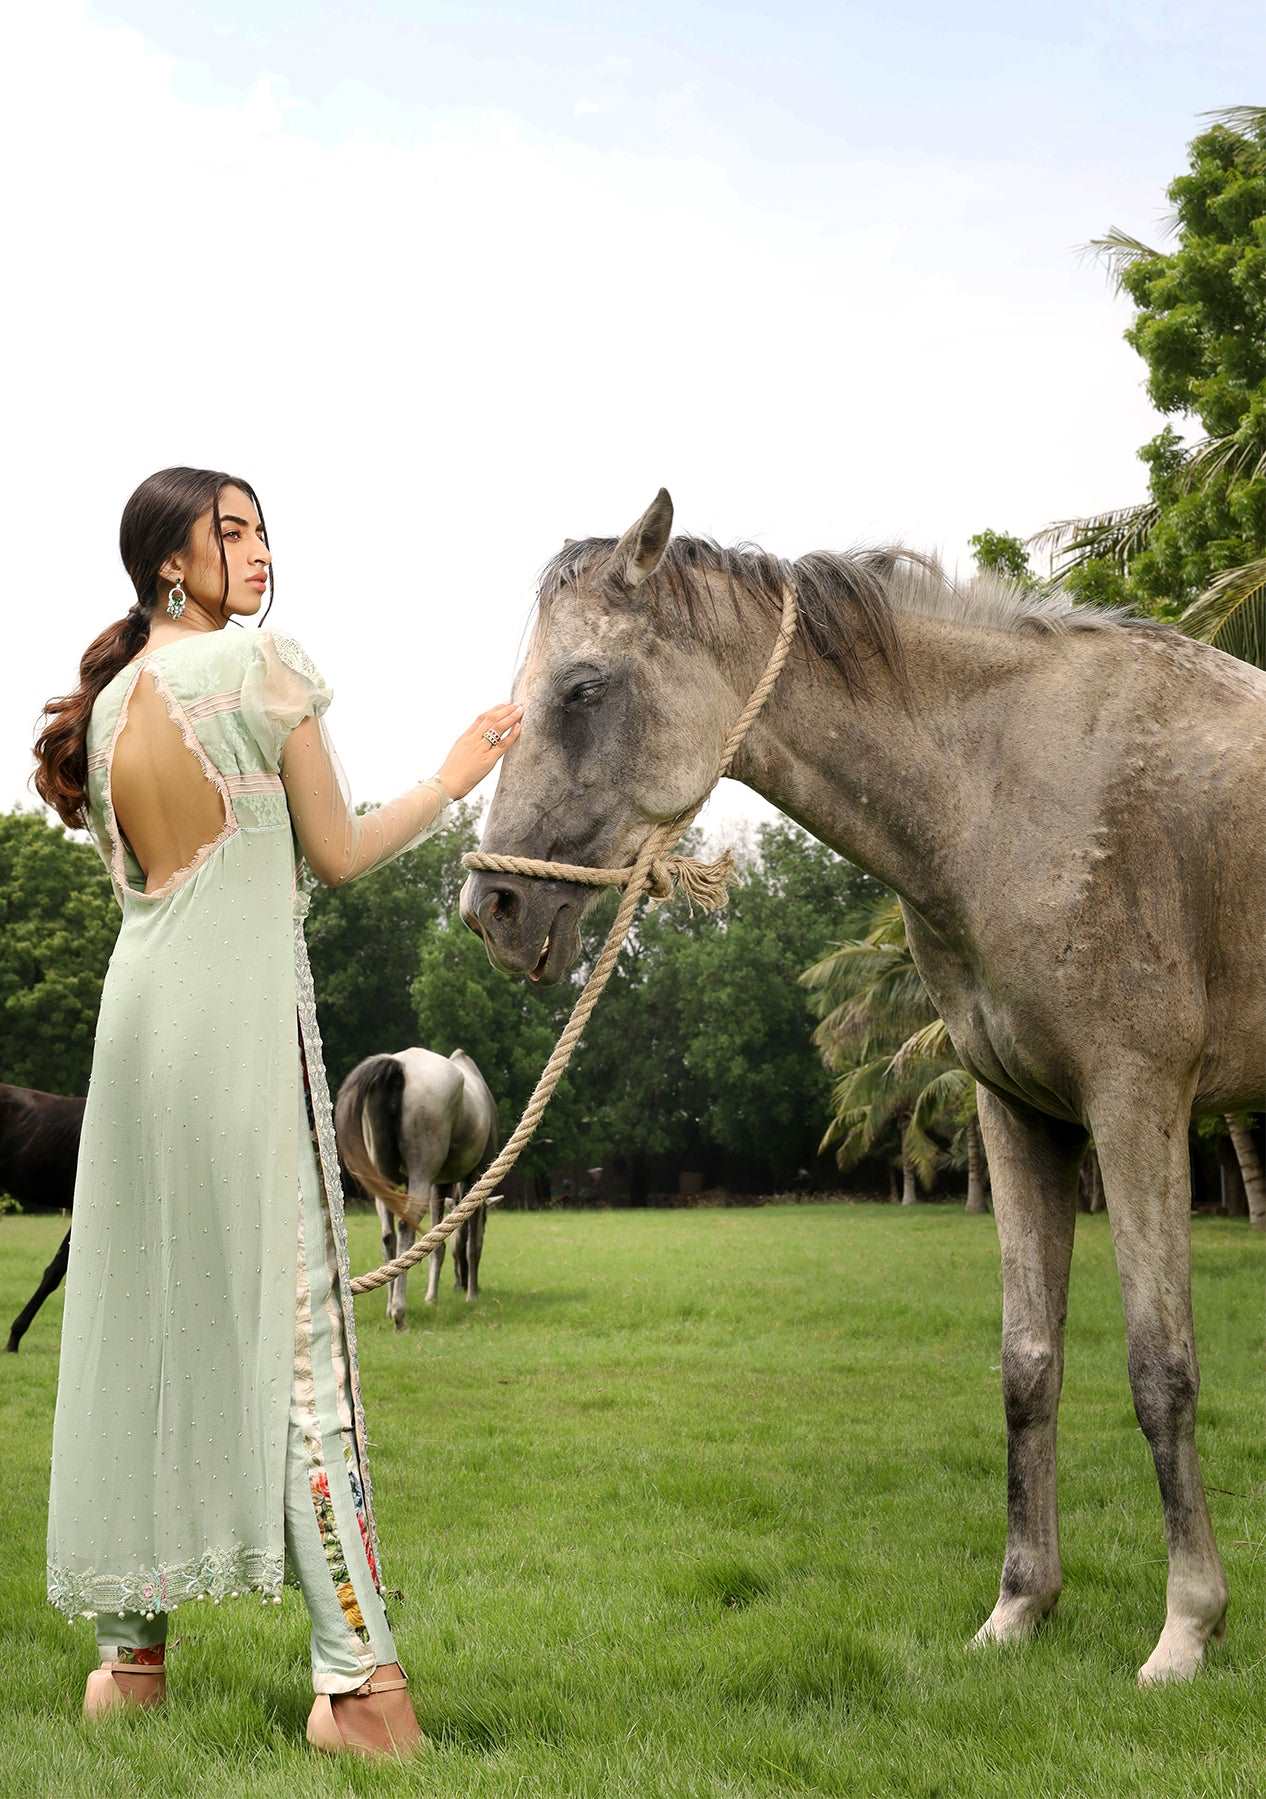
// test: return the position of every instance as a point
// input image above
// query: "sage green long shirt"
(178, 1335)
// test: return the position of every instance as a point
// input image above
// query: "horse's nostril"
(501, 904)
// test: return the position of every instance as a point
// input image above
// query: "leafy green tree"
(999, 553)
(638, 1090)
(761, 1088)
(60, 921)
(1195, 549)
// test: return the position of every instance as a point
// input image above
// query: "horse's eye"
(586, 693)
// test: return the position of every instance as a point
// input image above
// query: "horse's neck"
(889, 781)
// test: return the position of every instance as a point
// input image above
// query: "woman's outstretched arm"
(284, 698)
(340, 844)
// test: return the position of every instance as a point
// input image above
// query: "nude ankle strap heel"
(381, 1686)
(323, 1731)
(104, 1694)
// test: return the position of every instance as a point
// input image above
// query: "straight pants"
(326, 1536)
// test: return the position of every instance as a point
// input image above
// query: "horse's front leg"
(1033, 1164)
(1144, 1159)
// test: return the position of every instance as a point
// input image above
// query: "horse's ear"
(641, 550)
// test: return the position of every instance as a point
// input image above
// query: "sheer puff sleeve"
(284, 699)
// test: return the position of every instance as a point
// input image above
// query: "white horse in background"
(425, 1123)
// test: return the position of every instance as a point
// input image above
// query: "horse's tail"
(374, 1089)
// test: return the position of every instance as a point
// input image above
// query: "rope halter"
(705, 884)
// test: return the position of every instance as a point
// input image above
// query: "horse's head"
(624, 721)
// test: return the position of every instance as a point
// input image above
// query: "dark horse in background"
(39, 1150)
(39, 1153)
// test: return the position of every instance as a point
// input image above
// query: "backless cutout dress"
(178, 1345)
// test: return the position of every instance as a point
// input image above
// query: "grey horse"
(428, 1122)
(1069, 802)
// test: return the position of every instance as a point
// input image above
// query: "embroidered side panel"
(323, 1120)
(304, 1401)
(336, 1561)
(362, 1515)
(333, 1311)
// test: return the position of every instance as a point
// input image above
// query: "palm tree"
(1249, 1157)
(1231, 612)
(949, 1092)
(880, 1033)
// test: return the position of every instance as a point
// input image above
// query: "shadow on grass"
(727, 1583)
(451, 1312)
(805, 1670)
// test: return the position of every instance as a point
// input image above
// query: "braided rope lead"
(704, 883)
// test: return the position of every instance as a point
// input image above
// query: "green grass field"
(705, 1503)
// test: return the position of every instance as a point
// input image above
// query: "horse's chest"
(1003, 1046)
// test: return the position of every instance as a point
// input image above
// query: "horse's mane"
(847, 599)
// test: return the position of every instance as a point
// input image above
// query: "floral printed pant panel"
(327, 1542)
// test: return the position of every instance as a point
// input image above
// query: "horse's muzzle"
(529, 926)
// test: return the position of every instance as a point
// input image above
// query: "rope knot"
(705, 884)
(659, 880)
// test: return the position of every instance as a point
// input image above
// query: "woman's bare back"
(164, 803)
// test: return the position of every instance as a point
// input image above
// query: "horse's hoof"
(1179, 1654)
(1159, 1671)
(1013, 1620)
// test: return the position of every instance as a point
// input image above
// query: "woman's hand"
(472, 756)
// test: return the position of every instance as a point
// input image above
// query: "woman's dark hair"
(157, 523)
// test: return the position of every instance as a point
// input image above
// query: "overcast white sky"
(448, 283)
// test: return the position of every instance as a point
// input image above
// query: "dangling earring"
(176, 600)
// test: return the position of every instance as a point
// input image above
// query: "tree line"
(785, 1043)
(699, 1058)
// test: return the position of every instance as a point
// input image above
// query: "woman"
(208, 1438)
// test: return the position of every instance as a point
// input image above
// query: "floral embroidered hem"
(141, 1658)
(226, 1574)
